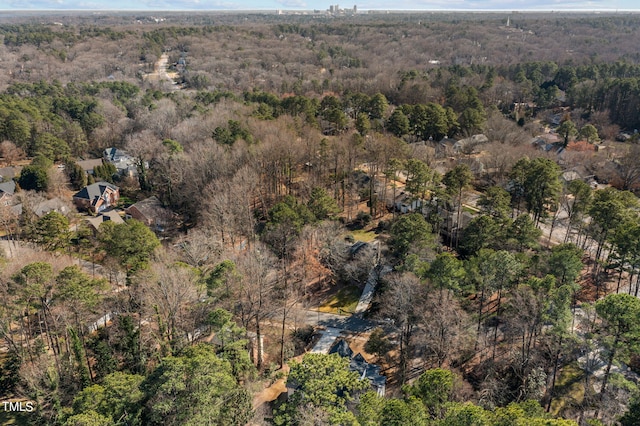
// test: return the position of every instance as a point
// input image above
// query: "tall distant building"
(355, 8)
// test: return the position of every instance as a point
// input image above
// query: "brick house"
(97, 197)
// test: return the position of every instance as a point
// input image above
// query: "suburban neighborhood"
(333, 217)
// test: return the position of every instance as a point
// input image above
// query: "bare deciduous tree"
(499, 158)
(169, 292)
(200, 248)
(256, 298)
(446, 331)
(505, 131)
(58, 185)
(11, 153)
(229, 206)
(115, 125)
(627, 173)
(403, 304)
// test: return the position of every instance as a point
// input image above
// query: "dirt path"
(160, 73)
(270, 394)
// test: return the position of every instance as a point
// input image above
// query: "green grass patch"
(363, 235)
(344, 302)
(470, 210)
(569, 388)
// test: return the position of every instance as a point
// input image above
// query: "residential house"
(444, 148)
(570, 175)
(357, 247)
(88, 165)
(475, 165)
(152, 213)
(97, 197)
(52, 205)
(6, 192)
(468, 145)
(547, 141)
(8, 173)
(16, 209)
(105, 216)
(555, 118)
(358, 364)
(125, 164)
(449, 224)
(113, 154)
(406, 203)
(577, 172)
(623, 137)
(41, 208)
(539, 143)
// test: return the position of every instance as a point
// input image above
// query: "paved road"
(334, 325)
(367, 293)
(353, 323)
(329, 335)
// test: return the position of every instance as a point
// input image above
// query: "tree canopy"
(195, 388)
(132, 243)
(410, 232)
(320, 381)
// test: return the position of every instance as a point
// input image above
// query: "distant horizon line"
(327, 10)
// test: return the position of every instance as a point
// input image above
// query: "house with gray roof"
(406, 203)
(44, 207)
(444, 147)
(97, 197)
(357, 363)
(125, 164)
(6, 192)
(360, 365)
(52, 205)
(106, 216)
(8, 173)
(468, 145)
(89, 165)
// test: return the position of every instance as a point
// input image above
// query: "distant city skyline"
(425, 5)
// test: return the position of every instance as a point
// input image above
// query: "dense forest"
(450, 197)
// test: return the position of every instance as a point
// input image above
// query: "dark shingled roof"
(358, 364)
(94, 191)
(341, 347)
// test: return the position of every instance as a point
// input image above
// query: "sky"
(169, 5)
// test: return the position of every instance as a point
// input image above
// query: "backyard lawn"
(343, 302)
(363, 235)
(569, 388)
